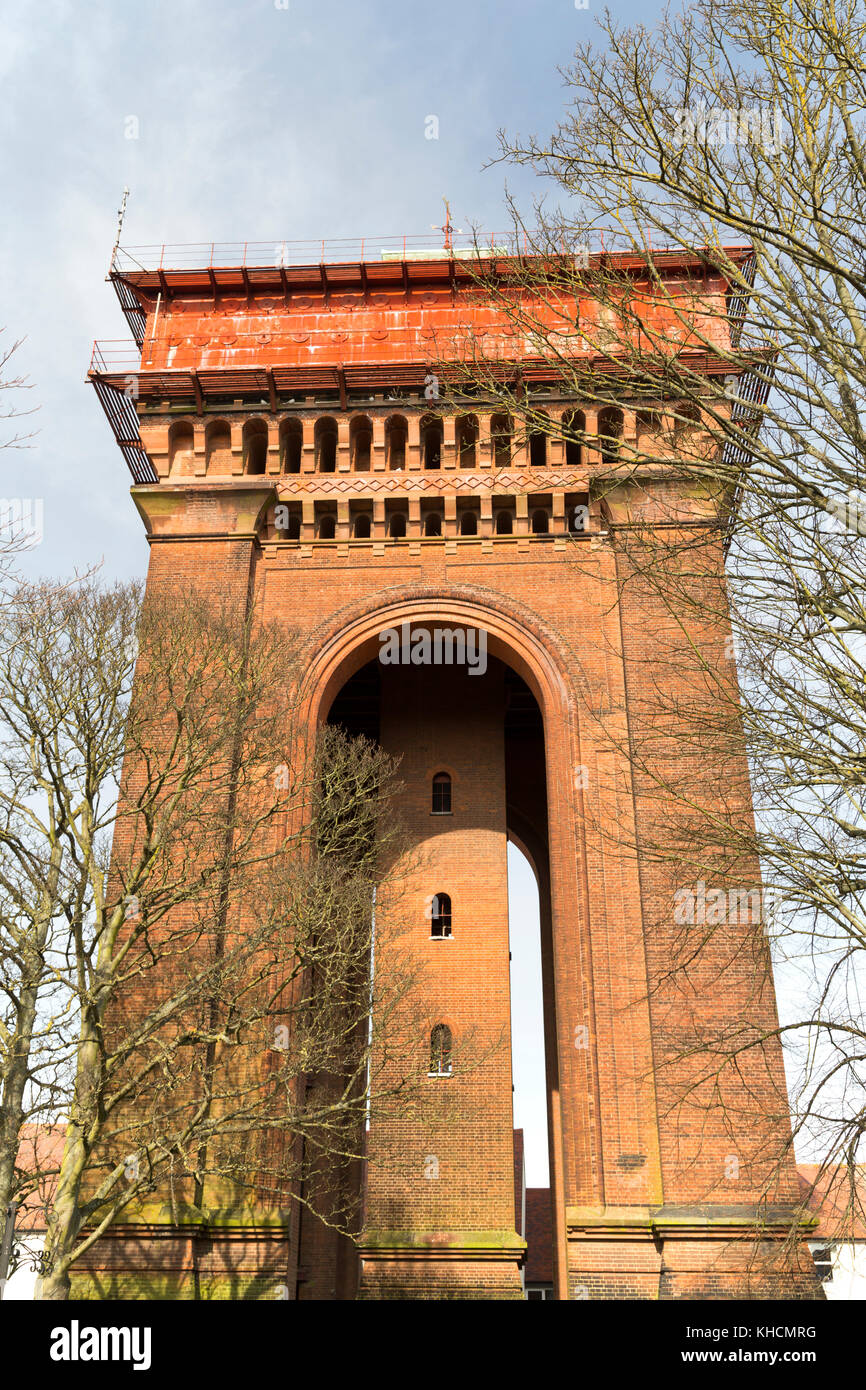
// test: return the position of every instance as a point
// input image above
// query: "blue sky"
(252, 120)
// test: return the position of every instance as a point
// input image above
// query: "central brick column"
(440, 1187)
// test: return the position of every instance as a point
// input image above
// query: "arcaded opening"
(574, 427)
(361, 443)
(218, 447)
(370, 695)
(466, 437)
(255, 446)
(610, 426)
(431, 441)
(291, 446)
(326, 445)
(396, 436)
(181, 449)
(538, 442)
(501, 430)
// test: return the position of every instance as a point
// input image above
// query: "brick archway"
(517, 637)
(514, 634)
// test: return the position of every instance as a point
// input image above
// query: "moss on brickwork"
(161, 1287)
(170, 1288)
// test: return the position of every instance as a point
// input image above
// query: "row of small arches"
(218, 443)
(362, 525)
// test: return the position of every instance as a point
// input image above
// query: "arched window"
(326, 445)
(504, 524)
(431, 441)
(500, 438)
(648, 429)
(540, 522)
(361, 444)
(432, 524)
(466, 432)
(609, 433)
(255, 444)
(361, 528)
(440, 915)
(468, 524)
(574, 422)
(538, 445)
(396, 435)
(291, 444)
(181, 448)
(327, 527)
(218, 447)
(440, 1050)
(397, 526)
(441, 794)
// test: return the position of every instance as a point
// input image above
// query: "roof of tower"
(141, 274)
(273, 322)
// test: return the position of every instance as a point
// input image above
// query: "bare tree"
(720, 157)
(187, 895)
(13, 384)
(19, 526)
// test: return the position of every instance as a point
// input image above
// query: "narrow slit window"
(440, 916)
(440, 1050)
(441, 794)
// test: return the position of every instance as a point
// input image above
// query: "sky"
(527, 1017)
(232, 120)
(244, 120)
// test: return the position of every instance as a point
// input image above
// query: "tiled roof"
(837, 1195)
(39, 1152)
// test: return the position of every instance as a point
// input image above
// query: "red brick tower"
(277, 429)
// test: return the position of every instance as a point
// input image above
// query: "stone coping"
(702, 1222)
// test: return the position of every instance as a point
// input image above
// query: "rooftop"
(271, 322)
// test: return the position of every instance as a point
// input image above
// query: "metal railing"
(113, 357)
(252, 255)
